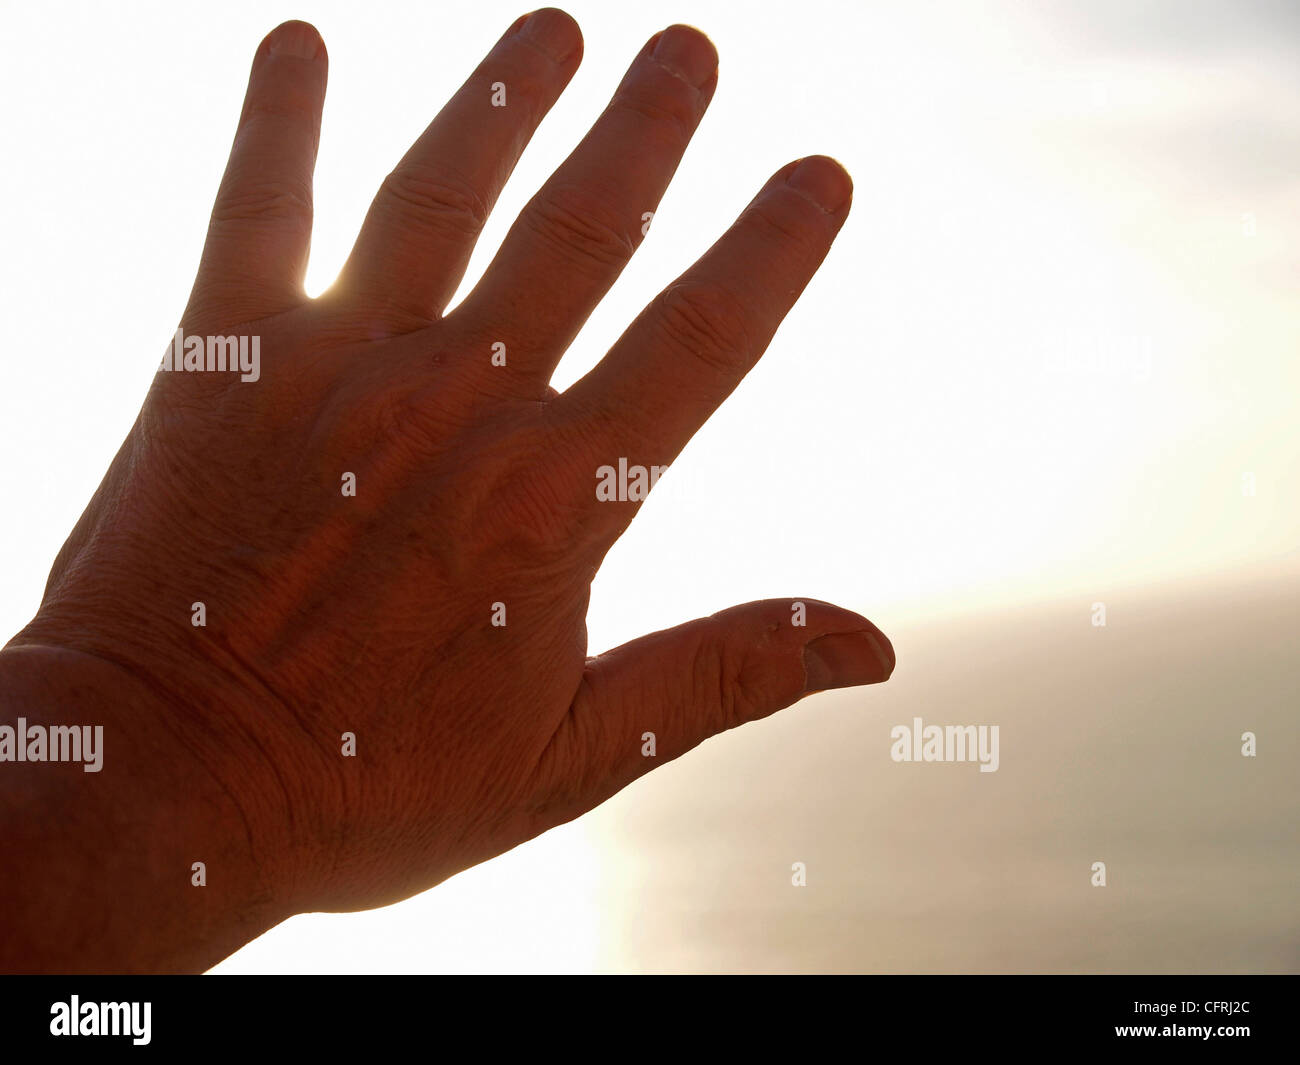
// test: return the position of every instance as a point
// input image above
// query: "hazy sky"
(1041, 356)
(1058, 329)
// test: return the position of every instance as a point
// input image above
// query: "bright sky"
(1058, 329)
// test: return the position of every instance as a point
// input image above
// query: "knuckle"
(784, 222)
(535, 518)
(533, 506)
(436, 198)
(262, 201)
(675, 111)
(715, 674)
(290, 106)
(531, 81)
(588, 234)
(708, 321)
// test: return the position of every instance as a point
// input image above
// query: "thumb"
(693, 681)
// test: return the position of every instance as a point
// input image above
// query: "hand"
(392, 534)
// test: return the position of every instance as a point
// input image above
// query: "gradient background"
(1058, 329)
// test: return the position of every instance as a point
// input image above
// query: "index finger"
(689, 349)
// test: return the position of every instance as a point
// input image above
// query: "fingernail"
(823, 181)
(554, 32)
(296, 40)
(687, 53)
(845, 660)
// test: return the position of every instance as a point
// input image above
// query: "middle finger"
(574, 238)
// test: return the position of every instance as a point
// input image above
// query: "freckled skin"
(331, 613)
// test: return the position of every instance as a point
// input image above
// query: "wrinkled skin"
(371, 614)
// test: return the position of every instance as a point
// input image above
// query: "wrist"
(150, 861)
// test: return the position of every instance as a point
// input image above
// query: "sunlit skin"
(372, 614)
